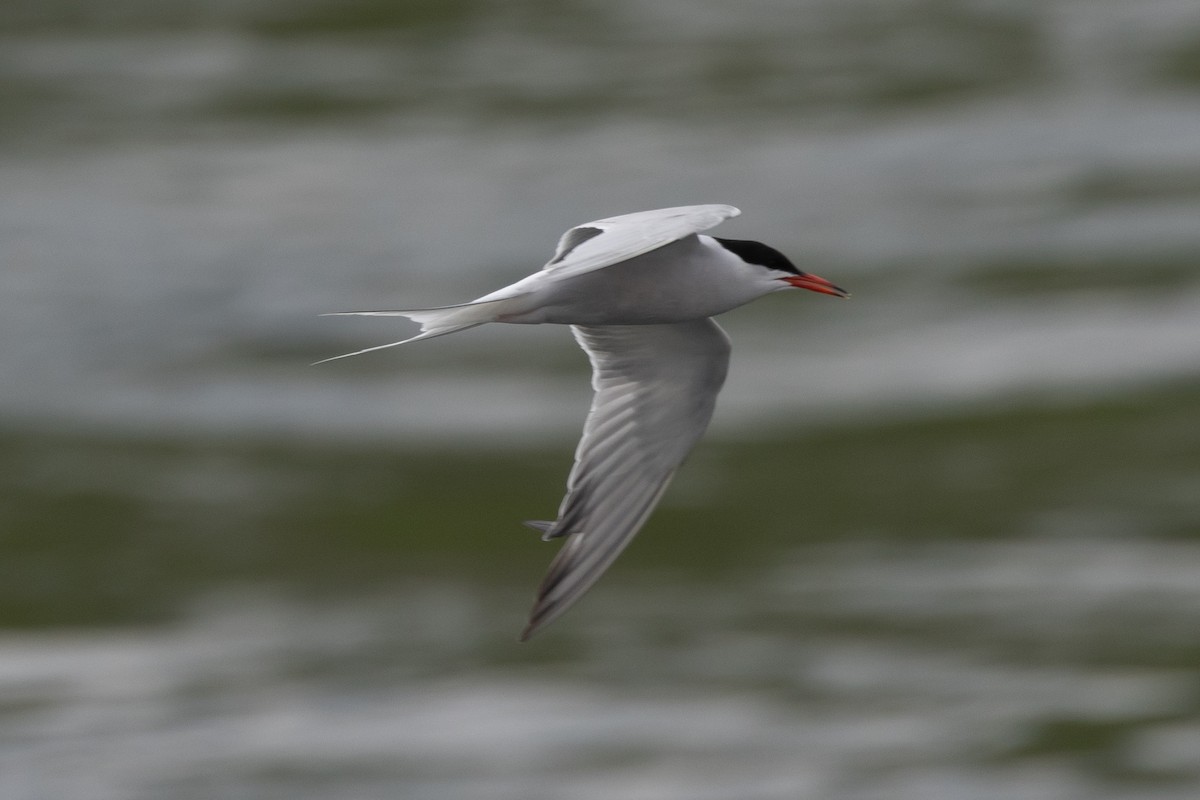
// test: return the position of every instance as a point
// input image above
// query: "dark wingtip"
(537, 618)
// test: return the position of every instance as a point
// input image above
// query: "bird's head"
(779, 267)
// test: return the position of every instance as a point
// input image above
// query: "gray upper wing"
(604, 242)
(656, 387)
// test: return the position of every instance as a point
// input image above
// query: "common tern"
(639, 292)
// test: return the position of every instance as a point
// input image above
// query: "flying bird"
(639, 292)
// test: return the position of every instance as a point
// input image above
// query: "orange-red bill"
(815, 283)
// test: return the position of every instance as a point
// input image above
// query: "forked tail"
(433, 321)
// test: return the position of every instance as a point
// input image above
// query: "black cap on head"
(759, 253)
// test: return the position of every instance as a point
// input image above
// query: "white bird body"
(689, 278)
(639, 291)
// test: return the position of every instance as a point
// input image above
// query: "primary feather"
(656, 387)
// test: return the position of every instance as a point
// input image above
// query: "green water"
(118, 530)
(986, 594)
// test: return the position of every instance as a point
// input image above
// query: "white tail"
(433, 321)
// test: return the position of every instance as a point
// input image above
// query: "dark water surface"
(944, 539)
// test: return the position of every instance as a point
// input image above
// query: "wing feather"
(594, 245)
(656, 387)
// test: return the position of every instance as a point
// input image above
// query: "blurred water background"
(942, 542)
